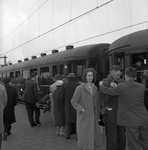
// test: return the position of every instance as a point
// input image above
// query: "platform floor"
(41, 137)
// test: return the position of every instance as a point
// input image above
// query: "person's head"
(7, 80)
(34, 75)
(139, 62)
(130, 73)
(89, 75)
(116, 71)
(57, 77)
(71, 76)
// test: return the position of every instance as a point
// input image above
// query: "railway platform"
(41, 137)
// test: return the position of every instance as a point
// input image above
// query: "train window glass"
(25, 74)
(70, 68)
(44, 69)
(54, 68)
(33, 70)
(8, 74)
(17, 74)
(140, 67)
(11, 74)
(119, 59)
(61, 69)
(4, 75)
(79, 70)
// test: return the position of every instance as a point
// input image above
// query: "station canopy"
(136, 41)
(82, 52)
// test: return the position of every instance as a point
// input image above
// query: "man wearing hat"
(115, 135)
(68, 89)
(9, 115)
(31, 98)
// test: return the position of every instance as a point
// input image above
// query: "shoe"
(37, 122)
(4, 137)
(33, 125)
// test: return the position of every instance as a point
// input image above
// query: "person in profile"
(140, 68)
(9, 115)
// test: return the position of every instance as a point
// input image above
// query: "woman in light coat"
(86, 102)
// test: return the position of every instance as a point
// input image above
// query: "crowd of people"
(76, 108)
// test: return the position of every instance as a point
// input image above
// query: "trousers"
(115, 137)
(31, 108)
(137, 137)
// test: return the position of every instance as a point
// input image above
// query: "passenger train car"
(64, 62)
(127, 49)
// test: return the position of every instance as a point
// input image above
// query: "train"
(123, 51)
(64, 62)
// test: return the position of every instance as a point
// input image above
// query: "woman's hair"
(85, 73)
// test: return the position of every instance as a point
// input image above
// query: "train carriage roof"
(133, 41)
(82, 52)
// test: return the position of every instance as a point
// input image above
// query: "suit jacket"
(31, 92)
(68, 89)
(111, 101)
(131, 109)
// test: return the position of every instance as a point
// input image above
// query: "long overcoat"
(11, 103)
(68, 89)
(3, 102)
(88, 130)
(59, 111)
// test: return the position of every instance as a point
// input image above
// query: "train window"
(139, 61)
(25, 74)
(8, 74)
(54, 68)
(11, 74)
(44, 69)
(79, 70)
(61, 69)
(33, 70)
(17, 74)
(119, 59)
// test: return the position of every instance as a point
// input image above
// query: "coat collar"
(130, 81)
(87, 88)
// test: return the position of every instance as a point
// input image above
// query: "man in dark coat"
(68, 89)
(9, 115)
(115, 135)
(31, 98)
(131, 111)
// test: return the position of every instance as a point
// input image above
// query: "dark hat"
(6, 80)
(33, 74)
(116, 68)
(57, 77)
(71, 75)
